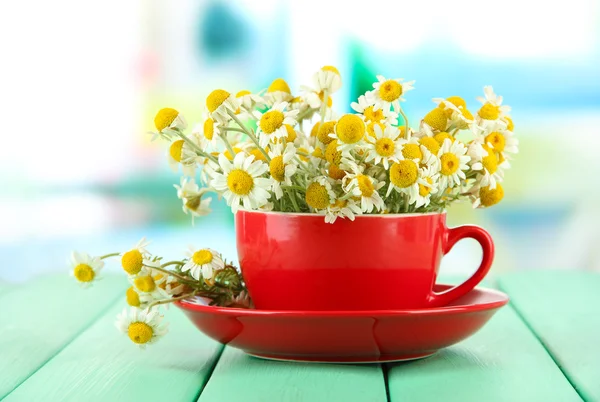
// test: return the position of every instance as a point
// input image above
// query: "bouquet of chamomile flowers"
(276, 151)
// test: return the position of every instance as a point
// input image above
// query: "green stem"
(239, 130)
(228, 145)
(405, 121)
(109, 255)
(300, 116)
(250, 134)
(165, 301)
(324, 105)
(174, 274)
(292, 196)
(196, 147)
(294, 188)
(172, 263)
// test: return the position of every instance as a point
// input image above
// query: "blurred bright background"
(82, 80)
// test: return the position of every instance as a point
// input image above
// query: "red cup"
(376, 262)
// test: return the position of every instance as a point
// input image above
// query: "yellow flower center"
(242, 93)
(371, 128)
(329, 100)
(412, 151)
(164, 118)
(339, 204)
(490, 162)
(209, 129)
(402, 130)
(440, 137)
(450, 163)
(291, 133)
(202, 257)
(175, 150)
(511, 125)
(318, 153)
(330, 68)
(456, 101)
(216, 99)
(317, 196)
(324, 130)
(193, 203)
(240, 182)
(133, 299)
(315, 129)
(336, 173)
(425, 190)
(132, 262)
(490, 197)
(145, 283)
(404, 173)
(390, 90)
(271, 121)
(350, 129)
(467, 114)
(436, 119)
(332, 155)
(84, 273)
(277, 168)
(365, 185)
(385, 147)
(279, 84)
(228, 155)
(497, 140)
(304, 151)
(373, 115)
(489, 111)
(140, 332)
(431, 144)
(258, 155)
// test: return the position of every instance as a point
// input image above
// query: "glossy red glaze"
(347, 336)
(299, 262)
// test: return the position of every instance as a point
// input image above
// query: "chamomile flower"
(492, 108)
(203, 263)
(282, 167)
(406, 177)
(436, 119)
(456, 110)
(427, 187)
(85, 268)
(501, 139)
(365, 187)
(328, 79)
(220, 104)
(241, 182)
(248, 102)
(147, 285)
(134, 260)
(453, 163)
(271, 124)
(210, 132)
(349, 132)
(485, 162)
(319, 193)
(389, 91)
(373, 112)
(278, 92)
(348, 208)
(142, 326)
(191, 195)
(180, 153)
(484, 196)
(166, 120)
(386, 146)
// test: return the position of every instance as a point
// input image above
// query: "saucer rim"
(503, 299)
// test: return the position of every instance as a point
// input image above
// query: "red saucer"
(347, 336)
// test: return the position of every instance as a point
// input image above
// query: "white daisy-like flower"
(220, 104)
(142, 326)
(320, 194)
(484, 196)
(166, 121)
(372, 111)
(135, 260)
(453, 164)
(328, 79)
(85, 268)
(349, 131)
(427, 187)
(148, 283)
(241, 182)
(484, 161)
(406, 177)
(492, 108)
(365, 187)
(282, 167)
(271, 124)
(182, 154)
(500, 139)
(203, 263)
(315, 98)
(278, 92)
(192, 197)
(456, 111)
(389, 91)
(249, 101)
(348, 208)
(208, 132)
(386, 146)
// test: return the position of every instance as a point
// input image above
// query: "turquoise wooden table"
(58, 343)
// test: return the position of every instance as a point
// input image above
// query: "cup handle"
(452, 236)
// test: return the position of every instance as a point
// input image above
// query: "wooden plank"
(561, 307)
(239, 377)
(103, 365)
(38, 319)
(503, 362)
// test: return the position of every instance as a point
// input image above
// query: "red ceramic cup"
(376, 262)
